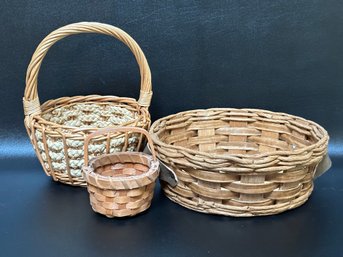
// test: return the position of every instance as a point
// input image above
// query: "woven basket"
(239, 162)
(121, 184)
(57, 128)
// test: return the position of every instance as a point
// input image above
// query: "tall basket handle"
(31, 100)
(114, 130)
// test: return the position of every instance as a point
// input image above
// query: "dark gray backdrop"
(278, 55)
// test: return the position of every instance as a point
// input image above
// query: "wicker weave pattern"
(89, 115)
(121, 204)
(120, 184)
(239, 162)
(57, 128)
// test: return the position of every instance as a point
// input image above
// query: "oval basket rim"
(73, 130)
(153, 168)
(156, 139)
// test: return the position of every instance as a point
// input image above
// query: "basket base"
(123, 215)
(121, 203)
(75, 181)
(236, 211)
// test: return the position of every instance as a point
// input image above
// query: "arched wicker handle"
(114, 130)
(31, 100)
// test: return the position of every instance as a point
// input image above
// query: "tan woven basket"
(57, 128)
(121, 184)
(239, 162)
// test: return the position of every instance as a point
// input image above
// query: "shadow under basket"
(121, 184)
(239, 162)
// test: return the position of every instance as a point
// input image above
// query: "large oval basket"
(239, 162)
(58, 128)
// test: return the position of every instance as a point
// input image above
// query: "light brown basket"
(57, 128)
(239, 162)
(120, 184)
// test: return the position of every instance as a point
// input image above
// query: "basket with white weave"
(58, 128)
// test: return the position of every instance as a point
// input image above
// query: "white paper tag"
(166, 173)
(323, 166)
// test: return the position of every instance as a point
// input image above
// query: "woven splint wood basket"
(57, 128)
(120, 184)
(239, 162)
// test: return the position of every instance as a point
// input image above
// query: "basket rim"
(153, 168)
(156, 139)
(95, 99)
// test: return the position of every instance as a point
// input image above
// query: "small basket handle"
(114, 130)
(31, 100)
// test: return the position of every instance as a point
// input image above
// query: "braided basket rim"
(152, 172)
(158, 141)
(115, 100)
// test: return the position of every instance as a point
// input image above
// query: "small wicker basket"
(57, 128)
(239, 162)
(120, 184)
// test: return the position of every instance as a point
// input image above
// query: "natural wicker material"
(58, 127)
(239, 162)
(121, 184)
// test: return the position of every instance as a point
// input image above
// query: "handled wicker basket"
(239, 162)
(57, 128)
(120, 184)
